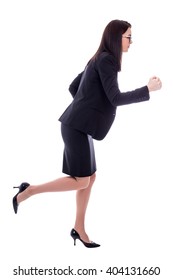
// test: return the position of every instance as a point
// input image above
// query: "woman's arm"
(75, 84)
(107, 70)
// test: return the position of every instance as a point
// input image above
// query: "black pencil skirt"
(79, 154)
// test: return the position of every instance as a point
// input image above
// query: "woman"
(90, 115)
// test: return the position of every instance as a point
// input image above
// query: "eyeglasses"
(128, 37)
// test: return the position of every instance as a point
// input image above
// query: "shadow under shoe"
(21, 188)
(75, 235)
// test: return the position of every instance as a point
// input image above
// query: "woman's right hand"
(154, 84)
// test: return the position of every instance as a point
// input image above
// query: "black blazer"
(96, 97)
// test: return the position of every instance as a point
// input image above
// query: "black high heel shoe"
(75, 235)
(21, 188)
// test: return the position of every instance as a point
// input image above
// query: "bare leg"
(58, 185)
(82, 198)
(83, 187)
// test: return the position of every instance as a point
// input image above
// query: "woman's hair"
(111, 41)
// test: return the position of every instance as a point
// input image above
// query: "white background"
(44, 45)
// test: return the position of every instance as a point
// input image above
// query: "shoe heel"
(21, 188)
(75, 235)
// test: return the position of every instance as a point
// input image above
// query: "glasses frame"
(128, 37)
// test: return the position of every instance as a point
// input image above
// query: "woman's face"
(126, 40)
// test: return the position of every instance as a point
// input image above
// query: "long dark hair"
(111, 41)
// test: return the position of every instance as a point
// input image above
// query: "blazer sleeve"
(107, 69)
(75, 84)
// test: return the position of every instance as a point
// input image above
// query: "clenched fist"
(154, 84)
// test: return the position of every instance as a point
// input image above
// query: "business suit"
(96, 97)
(91, 113)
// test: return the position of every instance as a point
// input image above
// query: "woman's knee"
(83, 182)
